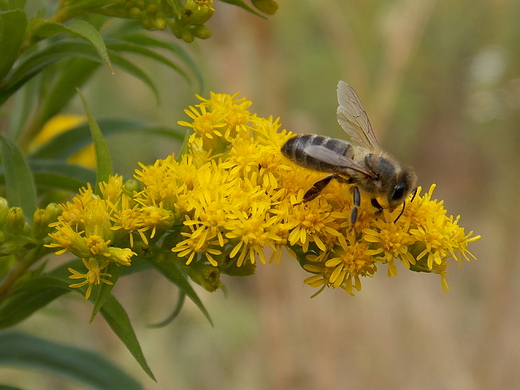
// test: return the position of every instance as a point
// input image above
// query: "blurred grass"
(441, 84)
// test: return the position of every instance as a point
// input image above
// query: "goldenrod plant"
(228, 201)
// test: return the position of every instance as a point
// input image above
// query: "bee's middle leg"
(317, 187)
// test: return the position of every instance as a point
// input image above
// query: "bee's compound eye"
(399, 190)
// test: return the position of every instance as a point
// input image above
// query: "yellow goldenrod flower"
(92, 277)
(198, 241)
(392, 241)
(120, 255)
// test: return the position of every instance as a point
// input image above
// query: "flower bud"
(160, 22)
(266, 6)
(40, 223)
(202, 32)
(4, 209)
(131, 186)
(15, 221)
(204, 275)
(53, 211)
(187, 36)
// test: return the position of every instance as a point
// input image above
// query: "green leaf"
(31, 64)
(72, 141)
(103, 160)
(24, 104)
(116, 317)
(20, 187)
(34, 63)
(80, 6)
(133, 70)
(175, 313)
(57, 174)
(31, 296)
(241, 4)
(79, 28)
(105, 290)
(113, 313)
(172, 272)
(6, 387)
(18, 349)
(69, 75)
(144, 51)
(172, 47)
(12, 4)
(12, 30)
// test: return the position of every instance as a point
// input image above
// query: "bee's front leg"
(376, 204)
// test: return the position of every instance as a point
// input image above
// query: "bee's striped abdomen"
(295, 149)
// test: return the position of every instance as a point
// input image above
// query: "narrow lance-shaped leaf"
(18, 349)
(241, 4)
(135, 71)
(172, 272)
(120, 46)
(65, 144)
(12, 30)
(33, 63)
(174, 314)
(116, 317)
(105, 290)
(69, 75)
(20, 187)
(113, 313)
(54, 174)
(50, 173)
(31, 296)
(79, 28)
(172, 47)
(103, 160)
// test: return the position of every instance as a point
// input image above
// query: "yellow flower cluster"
(233, 195)
(99, 229)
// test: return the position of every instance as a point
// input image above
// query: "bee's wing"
(328, 156)
(353, 117)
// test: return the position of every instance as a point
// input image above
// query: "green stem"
(19, 270)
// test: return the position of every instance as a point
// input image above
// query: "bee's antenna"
(402, 211)
(404, 203)
(413, 195)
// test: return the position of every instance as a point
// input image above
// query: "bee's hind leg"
(317, 187)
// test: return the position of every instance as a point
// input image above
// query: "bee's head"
(405, 183)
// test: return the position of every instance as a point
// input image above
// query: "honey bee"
(360, 163)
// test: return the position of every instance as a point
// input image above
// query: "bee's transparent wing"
(353, 117)
(328, 156)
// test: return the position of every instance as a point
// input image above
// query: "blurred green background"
(441, 83)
